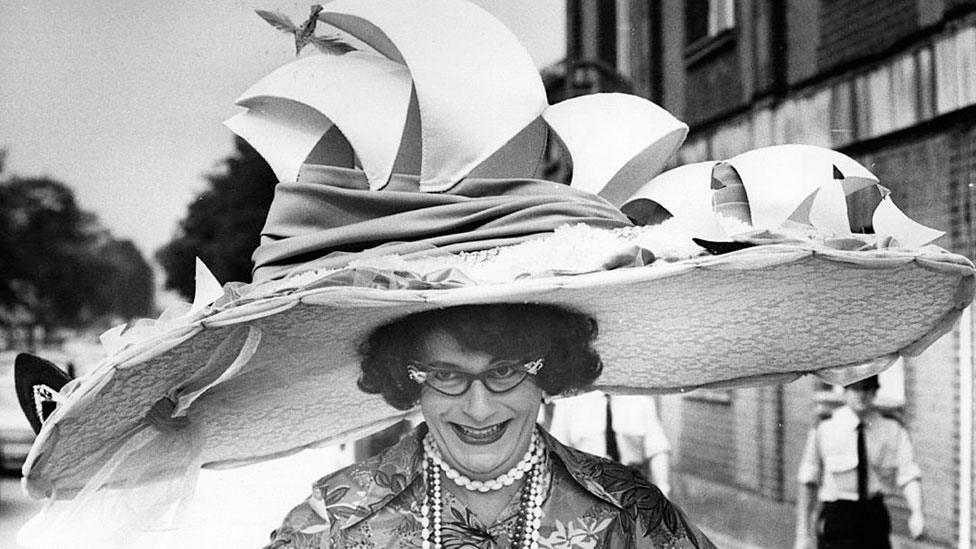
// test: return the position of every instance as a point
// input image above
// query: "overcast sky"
(124, 100)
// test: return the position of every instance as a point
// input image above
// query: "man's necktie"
(862, 464)
(610, 436)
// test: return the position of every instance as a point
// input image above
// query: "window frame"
(720, 29)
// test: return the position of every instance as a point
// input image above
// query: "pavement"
(246, 525)
(232, 508)
(228, 516)
(726, 542)
(15, 509)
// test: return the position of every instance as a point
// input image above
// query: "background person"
(624, 428)
(851, 461)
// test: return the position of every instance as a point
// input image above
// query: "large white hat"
(409, 182)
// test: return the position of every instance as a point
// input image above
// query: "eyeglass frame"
(419, 373)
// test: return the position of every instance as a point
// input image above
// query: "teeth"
(487, 432)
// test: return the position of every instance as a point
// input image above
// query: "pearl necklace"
(530, 505)
(530, 458)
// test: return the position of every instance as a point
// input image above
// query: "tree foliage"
(223, 225)
(60, 267)
(131, 292)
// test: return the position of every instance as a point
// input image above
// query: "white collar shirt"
(830, 457)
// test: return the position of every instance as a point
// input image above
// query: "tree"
(132, 291)
(55, 269)
(223, 225)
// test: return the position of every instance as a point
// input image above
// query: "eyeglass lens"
(500, 379)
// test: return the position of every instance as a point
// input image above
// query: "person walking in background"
(624, 428)
(851, 461)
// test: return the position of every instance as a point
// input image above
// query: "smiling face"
(480, 433)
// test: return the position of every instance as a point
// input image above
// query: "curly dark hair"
(505, 331)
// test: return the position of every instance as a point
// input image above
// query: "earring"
(546, 398)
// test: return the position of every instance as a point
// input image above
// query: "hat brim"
(764, 314)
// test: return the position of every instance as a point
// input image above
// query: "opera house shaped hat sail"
(410, 167)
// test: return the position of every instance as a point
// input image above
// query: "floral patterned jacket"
(592, 503)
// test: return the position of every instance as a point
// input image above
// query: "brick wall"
(931, 382)
(962, 211)
(758, 441)
(972, 493)
(918, 171)
(771, 424)
(802, 39)
(798, 417)
(771, 449)
(766, 61)
(962, 191)
(748, 438)
(706, 440)
(854, 28)
(713, 86)
(640, 65)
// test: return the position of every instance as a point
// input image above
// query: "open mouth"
(485, 435)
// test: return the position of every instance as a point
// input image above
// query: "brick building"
(891, 83)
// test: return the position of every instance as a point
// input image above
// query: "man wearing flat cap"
(851, 461)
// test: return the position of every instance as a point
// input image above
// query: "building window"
(721, 16)
(708, 18)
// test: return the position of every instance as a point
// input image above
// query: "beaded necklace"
(530, 499)
(505, 479)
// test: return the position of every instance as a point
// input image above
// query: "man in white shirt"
(851, 461)
(638, 437)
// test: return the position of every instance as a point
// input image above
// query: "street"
(15, 509)
(232, 508)
(240, 507)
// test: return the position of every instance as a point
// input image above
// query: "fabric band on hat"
(332, 210)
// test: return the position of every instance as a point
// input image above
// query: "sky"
(124, 101)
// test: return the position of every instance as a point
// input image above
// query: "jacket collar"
(846, 419)
(396, 469)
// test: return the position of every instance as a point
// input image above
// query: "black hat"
(37, 381)
(866, 384)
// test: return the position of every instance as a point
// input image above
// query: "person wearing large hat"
(413, 256)
(479, 471)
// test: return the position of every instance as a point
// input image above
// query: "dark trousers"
(854, 525)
